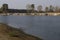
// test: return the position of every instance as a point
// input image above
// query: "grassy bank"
(9, 33)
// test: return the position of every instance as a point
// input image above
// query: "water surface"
(46, 27)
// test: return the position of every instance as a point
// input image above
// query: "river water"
(46, 27)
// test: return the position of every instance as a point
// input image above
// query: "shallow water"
(46, 27)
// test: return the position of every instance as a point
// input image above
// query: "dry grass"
(9, 33)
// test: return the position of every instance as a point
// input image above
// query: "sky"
(21, 4)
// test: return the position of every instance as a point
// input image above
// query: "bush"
(13, 34)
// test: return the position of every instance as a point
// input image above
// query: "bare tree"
(57, 9)
(39, 8)
(46, 9)
(51, 8)
(1, 9)
(32, 7)
(28, 7)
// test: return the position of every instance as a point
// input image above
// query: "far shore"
(31, 14)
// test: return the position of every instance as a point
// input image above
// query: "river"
(46, 27)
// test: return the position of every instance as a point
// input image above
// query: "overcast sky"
(21, 4)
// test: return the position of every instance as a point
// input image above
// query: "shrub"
(13, 34)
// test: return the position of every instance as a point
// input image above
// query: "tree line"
(51, 8)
